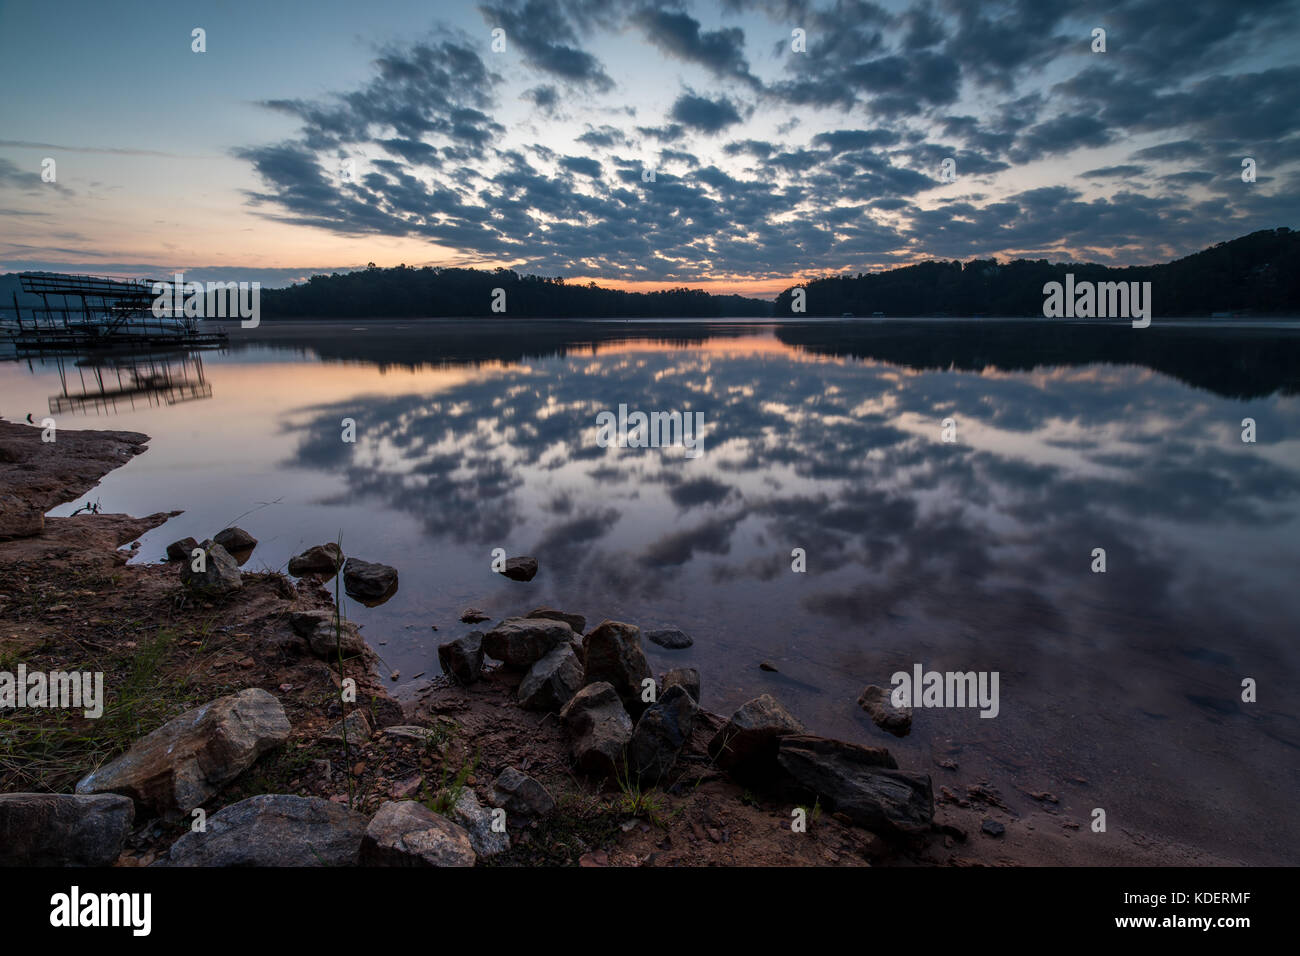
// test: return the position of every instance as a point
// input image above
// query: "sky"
(736, 146)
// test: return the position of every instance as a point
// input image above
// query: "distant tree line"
(432, 292)
(1258, 273)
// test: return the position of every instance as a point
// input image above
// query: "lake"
(1120, 690)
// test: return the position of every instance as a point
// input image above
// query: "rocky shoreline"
(246, 724)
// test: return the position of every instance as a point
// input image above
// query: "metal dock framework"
(98, 313)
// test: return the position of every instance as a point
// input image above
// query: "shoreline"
(71, 602)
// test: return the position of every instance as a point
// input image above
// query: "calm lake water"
(1119, 690)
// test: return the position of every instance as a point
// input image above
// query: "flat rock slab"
(187, 760)
(275, 829)
(406, 833)
(863, 783)
(62, 829)
(520, 642)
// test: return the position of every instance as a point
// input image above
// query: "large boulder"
(863, 783)
(520, 642)
(599, 727)
(220, 574)
(19, 519)
(746, 746)
(612, 653)
(321, 559)
(367, 580)
(406, 833)
(325, 633)
(275, 829)
(63, 829)
(520, 569)
(521, 796)
(463, 658)
(575, 621)
(552, 681)
(187, 760)
(661, 733)
(477, 821)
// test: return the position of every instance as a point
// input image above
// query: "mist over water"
(1118, 690)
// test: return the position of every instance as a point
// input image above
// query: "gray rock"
(876, 702)
(61, 829)
(406, 833)
(357, 726)
(325, 634)
(612, 653)
(181, 550)
(575, 621)
(661, 733)
(189, 759)
(521, 796)
(520, 569)
(235, 540)
(670, 637)
(520, 642)
(463, 658)
(599, 727)
(368, 581)
(477, 821)
(275, 829)
(687, 677)
(993, 828)
(220, 574)
(746, 746)
(320, 559)
(472, 615)
(863, 783)
(552, 681)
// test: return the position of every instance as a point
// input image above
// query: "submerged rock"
(599, 727)
(220, 574)
(275, 829)
(876, 702)
(670, 637)
(463, 658)
(63, 829)
(520, 642)
(863, 783)
(406, 833)
(187, 760)
(746, 746)
(612, 653)
(520, 569)
(320, 559)
(552, 681)
(472, 615)
(367, 580)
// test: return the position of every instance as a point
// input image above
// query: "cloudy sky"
(639, 144)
